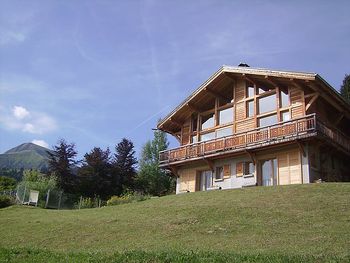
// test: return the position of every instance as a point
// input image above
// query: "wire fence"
(54, 199)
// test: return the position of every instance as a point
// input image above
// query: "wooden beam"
(310, 95)
(269, 80)
(174, 170)
(301, 147)
(175, 122)
(218, 95)
(313, 99)
(252, 156)
(209, 163)
(193, 108)
(339, 119)
(249, 79)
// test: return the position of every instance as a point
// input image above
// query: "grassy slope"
(299, 220)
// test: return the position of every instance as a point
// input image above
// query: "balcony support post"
(252, 156)
(301, 147)
(209, 163)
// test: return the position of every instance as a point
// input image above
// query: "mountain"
(26, 156)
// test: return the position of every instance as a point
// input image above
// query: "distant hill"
(26, 156)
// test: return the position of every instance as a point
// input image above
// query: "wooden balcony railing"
(285, 131)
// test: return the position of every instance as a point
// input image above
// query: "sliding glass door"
(269, 174)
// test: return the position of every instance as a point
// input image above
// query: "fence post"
(24, 194)
(47, 198)
(80, 201)
(59, 200)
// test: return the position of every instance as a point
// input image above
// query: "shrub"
(7, 183)
(126, 198)
(6, 201)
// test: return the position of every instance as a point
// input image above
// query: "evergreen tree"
(124, 165)
(95, 175)
(61, 162)
(345, 88)
(151, 179)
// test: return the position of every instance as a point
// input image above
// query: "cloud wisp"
(40, 143)
(21, 119)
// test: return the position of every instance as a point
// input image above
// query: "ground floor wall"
(280, 166)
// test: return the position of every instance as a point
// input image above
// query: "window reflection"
(267, 121)
(250, 91)
(285, 116)
(226, 116)
(208, 136)
(224, 132)
(267, 103)
(250, 108)
(208, 121)
(284, 98)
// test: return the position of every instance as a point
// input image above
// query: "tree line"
(104, 174)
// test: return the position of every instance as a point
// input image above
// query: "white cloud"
(20, 112)
(30, 122)
(40, 143)
(9, 37)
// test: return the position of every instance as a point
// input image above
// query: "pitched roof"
(262, 72)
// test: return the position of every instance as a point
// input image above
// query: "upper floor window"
(207, 136)
(262, 89)
(224, 132)
(250, 108)
(208, 121)
(267, 103)
(284, 98)
(267, 121)
(250, 91)
(226, 116)
(285, 116)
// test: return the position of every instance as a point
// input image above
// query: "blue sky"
(93, 72)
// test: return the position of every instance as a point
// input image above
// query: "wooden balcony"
(301, 128)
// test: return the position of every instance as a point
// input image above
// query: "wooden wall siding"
(188, 180)
(297, 103)
(185, 138)
(289, 168)
(240, 110)
(240, 90)
(245, 125)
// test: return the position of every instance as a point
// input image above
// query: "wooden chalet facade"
(248, 126)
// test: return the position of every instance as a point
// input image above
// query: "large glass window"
(263, 89)
(250, 91)
(226, 116)
(267, 103)
(267, 121)
(250, 108)
(285, 116)
(208, 136)
(208, 121)
(224, 132)
(194, 139)
(284, 98)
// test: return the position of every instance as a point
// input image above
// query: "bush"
(126, 198)
(6, 201)
(7, 183)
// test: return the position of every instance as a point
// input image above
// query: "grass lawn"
(298, 223)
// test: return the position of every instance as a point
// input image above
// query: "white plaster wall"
(305, 165)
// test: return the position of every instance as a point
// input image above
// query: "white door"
(206, 180)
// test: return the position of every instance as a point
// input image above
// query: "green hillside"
(309, 223)
(26, 156)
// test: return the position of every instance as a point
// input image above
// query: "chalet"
(249, 126)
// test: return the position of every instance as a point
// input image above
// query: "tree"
(124, 164)
(62, 162)
(151, 179)
(95, 175)
(7, 183)
(345, 88)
